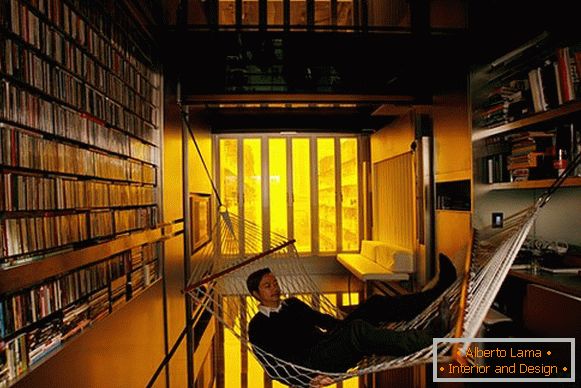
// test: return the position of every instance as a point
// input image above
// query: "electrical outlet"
(497, 220)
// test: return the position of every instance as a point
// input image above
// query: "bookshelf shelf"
(80, 144)
(534, 184)
(557, 113)
(51, 99)
(72, 175)
(27, 275)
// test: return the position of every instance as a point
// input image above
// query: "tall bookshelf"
(80, 104)
(526, 120)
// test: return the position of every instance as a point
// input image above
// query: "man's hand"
(321, 381)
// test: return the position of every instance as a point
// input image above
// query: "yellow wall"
(172, 160)
(452, 138)
(453, 161)
(392, 140)
(173, 210)
(199, 182)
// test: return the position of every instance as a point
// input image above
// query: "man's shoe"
(442, 324)
(447, 273)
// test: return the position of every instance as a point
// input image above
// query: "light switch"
(497, 220)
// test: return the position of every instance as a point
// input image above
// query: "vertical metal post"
(265, 178)
(161, 259)
(238, 13)
(262, 15)
(286, 14)
(315, 246)
(187, 248)
(334, 13)
(364, 15)
(338, 197)
(289, 190)
(310, 14)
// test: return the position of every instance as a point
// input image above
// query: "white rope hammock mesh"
(222, 266)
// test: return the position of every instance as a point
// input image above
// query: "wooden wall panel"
(453, 140)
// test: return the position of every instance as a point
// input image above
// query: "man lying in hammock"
(294, 332)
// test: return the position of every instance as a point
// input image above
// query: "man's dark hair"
(254, 278)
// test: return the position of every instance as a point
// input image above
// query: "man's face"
(268, 291)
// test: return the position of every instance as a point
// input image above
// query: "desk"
(542, 304)
(516, 297)
(567, 283)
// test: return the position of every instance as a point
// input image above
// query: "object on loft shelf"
(200, 220)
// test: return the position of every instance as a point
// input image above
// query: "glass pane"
(349, 195)
(298, 12)
(322, 12)
(274, 11)
(227, 12)
(350, 298)
(327, 206)
(383, 13)
(250, 12)
(252, 159)
(302, 194)
(229, 174)
(229, 185)
(345, 12)
(278, 186)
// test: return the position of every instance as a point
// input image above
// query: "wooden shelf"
(26, 275)
(534, 184)
(453, 176)
(563, 110)
(453, 211)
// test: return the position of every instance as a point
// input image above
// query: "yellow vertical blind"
(278, 186)
(252, 161)
(301, 162)
(327, 195)
(394, 201)
(349, 194)
(229, 174)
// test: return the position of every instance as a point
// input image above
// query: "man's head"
(262, 285)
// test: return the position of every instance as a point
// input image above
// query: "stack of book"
(504, 104)
(530, 154)
(43, 340)
(99, 305)
(75, 319)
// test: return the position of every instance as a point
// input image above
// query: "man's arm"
(324, 321)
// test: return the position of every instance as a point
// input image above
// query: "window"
(302, 187)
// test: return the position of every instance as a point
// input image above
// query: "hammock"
(219, 283)
(222, 266)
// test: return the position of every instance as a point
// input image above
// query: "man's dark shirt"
(291, 332)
